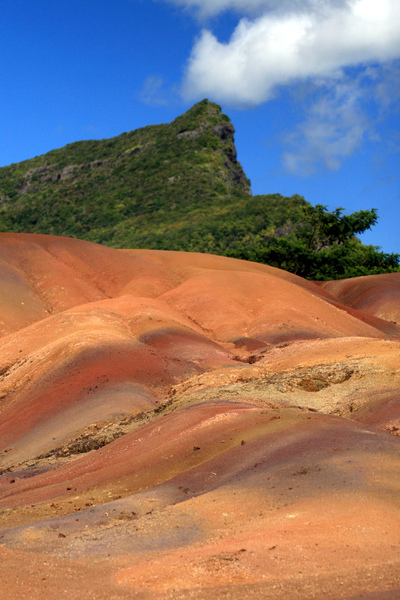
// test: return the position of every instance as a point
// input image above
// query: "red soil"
(377, 295)
(144, 457)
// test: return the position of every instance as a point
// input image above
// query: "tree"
(322, 229)
(322, 246)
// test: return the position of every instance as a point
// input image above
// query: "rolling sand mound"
(377, 295)
(190, 426)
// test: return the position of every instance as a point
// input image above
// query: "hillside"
(178, 425)
(179, 186)
(176, 186)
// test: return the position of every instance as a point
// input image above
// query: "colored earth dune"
(177, 425)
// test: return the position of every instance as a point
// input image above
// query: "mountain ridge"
(176, 186)
(95, 185)
(179, 186)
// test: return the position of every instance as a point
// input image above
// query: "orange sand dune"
(55, 274)
(42, 275)
(193, 266)
(281, 500)
(93, 364)
(181, 425)
(377, 295)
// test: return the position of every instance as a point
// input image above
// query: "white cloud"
(335, 125)
(207, 8)
(295, 42)
(339, 115)
(344, 52)
(387, 89)
(155, 92)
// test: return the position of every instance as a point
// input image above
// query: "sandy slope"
(190, 426)
(377, 295)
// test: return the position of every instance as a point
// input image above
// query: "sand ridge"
(177, 425)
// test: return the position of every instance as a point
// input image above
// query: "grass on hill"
(176, 186)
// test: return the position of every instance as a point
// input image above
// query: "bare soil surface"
(189, 426)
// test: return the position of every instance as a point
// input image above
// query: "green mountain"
(164, 186)
(177, 186)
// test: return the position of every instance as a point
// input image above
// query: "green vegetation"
(179, 187)
(125, 190)
(322, 246)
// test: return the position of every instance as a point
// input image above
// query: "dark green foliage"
(180, 187)
(323, 246)
(321, 229)
(139, 179)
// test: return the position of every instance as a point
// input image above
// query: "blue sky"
(312, 87)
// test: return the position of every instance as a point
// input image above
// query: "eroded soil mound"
(377, 295)
(190, 426)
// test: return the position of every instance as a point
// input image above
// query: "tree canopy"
(323, 245)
